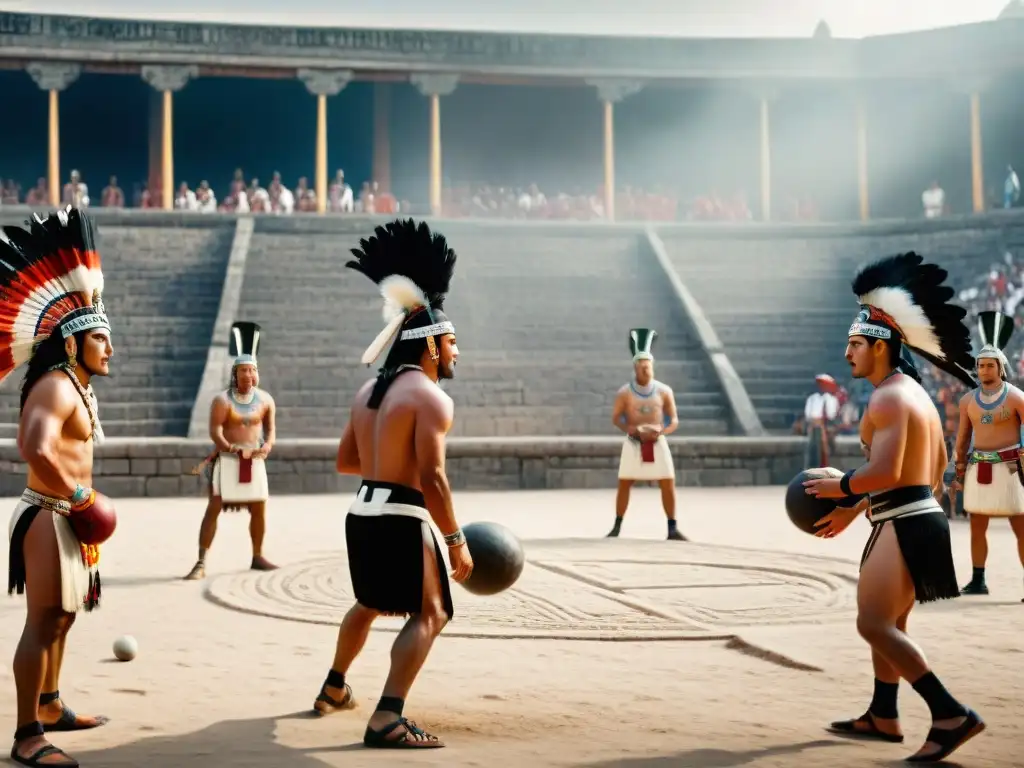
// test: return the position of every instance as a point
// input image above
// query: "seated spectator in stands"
(112, 196)
(1011, 188)
(185, 200)
(76, 192)
(39, 195)
(259, 198)
(339, 195)
(367, 202)
(933, 200)
(305, 198)
(274, 191)
(384, 202)
(206, 201)
(10, 192)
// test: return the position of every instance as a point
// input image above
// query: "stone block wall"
(127, 468)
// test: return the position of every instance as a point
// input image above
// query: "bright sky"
(674, 18)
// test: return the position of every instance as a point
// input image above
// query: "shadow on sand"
(227, 743)
(712, 758)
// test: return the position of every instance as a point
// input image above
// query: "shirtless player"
(55, 290)
(242, 427)
(908, 555)
(641, 410)
(990, 474)
(395, 440)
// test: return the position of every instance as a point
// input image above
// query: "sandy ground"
(213, 686)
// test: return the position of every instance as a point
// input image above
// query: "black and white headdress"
(903, 299)
(244, 344)
(995, 330)
(413, 268)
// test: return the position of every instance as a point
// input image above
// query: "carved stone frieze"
(325, 82)
(54, 75)
(435, 84)
(615, 90)
(168, 77)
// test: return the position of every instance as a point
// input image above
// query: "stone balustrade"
(160, 467)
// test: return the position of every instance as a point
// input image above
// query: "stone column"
(167, 79)
(766, 96)
(53, 77)
(973, 88)
(434, 86)
(382, 135)
(323, 83)
(862, 159)
(611, 92)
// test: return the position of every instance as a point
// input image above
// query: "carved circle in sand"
(588, 590)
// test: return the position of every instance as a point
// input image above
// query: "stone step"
(146, 428)
(161, 368)
(124, 411)
(506, 426)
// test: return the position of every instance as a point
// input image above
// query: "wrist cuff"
(844, 484)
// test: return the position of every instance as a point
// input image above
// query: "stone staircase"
(163, 287)
(781, 307)
(542, 318)
(781, 299)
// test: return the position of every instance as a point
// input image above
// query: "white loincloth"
(227, 486)
(1003, 497)
(74, 573)
(379, 504)
(633, 467)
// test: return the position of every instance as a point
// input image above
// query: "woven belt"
(60, 506)
(995, 457)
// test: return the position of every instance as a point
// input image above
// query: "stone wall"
(161, 467)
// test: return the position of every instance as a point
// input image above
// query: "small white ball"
(125, 648)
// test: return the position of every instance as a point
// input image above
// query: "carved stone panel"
(325, 82)
(167, 77)
(435, 84)
(53, 75)
(615, 90)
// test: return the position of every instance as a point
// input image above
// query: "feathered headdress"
(50, 280)
(995, 330)
(641, 343)
(904, 299)
(244, 343)
(413, 268)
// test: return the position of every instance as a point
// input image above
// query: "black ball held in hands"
(498, 558)
(805, 510)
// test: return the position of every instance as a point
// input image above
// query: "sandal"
(68, 720)
(950, 739)
(333, 705)
(863, 728)
(379, 739)
(34, 759)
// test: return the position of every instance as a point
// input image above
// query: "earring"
(72, 362)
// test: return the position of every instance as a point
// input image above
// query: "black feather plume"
(409, 249)
(944, 340)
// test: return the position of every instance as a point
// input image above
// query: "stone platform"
(133, 467)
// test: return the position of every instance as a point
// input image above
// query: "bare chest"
(649, 408)
(993, 411)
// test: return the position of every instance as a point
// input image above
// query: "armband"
(844, 484)
(455, 539)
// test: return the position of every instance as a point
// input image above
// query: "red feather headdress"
(50, 279)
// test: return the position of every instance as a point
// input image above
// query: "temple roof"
(648, 18)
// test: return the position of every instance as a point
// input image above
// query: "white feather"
(377, 346)
(401, 295)
(917, 328)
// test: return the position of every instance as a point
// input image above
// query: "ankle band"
(29, 731)
(391, 704)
